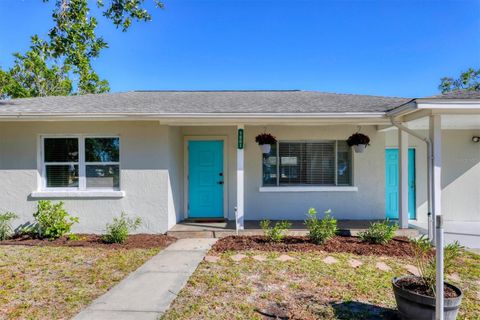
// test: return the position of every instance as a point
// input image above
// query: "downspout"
(430, 224)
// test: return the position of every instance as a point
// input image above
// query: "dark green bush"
(52, 220)
(5, 225)
(277, 232)
(118, 230)
(320, 231)
(379, 232)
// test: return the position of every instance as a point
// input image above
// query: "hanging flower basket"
(358, 141)
(265, 141)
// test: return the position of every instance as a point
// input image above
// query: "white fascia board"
(233, 116)
(448, 104)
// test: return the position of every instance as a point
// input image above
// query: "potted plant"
(415, 295)
(265, 141)
(358, 141)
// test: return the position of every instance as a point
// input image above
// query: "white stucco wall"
(460, 174)
(368, 175)
(144, 162)
(152, 174)
(175, 176)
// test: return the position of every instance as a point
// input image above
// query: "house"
(171, 155)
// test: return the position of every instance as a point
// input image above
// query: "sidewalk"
(148, 292)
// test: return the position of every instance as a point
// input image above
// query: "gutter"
(429, 172)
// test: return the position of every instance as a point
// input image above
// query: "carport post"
(403, 178)
(239, 213)
(435, 130)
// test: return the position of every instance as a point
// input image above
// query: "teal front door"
(392, 180)
(205, 179)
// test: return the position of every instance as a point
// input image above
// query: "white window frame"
(82, 179)
(309, 188)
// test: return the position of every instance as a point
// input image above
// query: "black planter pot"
(412, 305)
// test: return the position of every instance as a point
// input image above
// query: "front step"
(191, 234)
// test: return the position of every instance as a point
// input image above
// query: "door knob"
(220, 182)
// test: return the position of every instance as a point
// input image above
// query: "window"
(323, 163)
(81, 163)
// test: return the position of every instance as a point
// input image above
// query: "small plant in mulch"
(277, 232)
(265, 138)
(320, 230)
(119, 229)
(6, 230)
(358, 139)
(52, 220)
(379, 232)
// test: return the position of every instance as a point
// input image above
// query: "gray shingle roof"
(458, 94)
(209, 102)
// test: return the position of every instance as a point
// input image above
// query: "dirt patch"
(138, 241)
(398, 247)
(414, 284)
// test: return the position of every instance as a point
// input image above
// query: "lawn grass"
(307, 288)
(56, 282)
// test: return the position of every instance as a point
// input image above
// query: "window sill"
(78, 194)
(309, 189)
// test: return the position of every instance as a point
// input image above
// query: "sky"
(391, 48)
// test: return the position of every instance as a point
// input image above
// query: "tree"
(31, 76)
(63, 62)
(469, 80)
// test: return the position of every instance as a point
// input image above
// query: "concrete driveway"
(465, 232)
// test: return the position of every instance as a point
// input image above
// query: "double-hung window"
(309, 163)
(81, 163)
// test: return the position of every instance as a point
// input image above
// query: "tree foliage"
(32, 76)
(61, 64)
(468, 80)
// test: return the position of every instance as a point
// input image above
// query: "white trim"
(186, 172)
(81, 163)
(78, 194)
(309, 189)
(403, 175)
(240, 212)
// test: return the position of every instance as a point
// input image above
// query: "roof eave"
(32, 115)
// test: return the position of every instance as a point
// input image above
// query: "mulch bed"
(414, 284)
(398, 247)
(140, 241)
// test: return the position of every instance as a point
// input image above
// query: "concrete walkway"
(148, 292)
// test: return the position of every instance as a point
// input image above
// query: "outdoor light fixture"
(476, 139)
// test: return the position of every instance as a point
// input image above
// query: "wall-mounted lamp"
(476, 139)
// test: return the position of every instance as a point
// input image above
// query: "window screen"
(61, 162)
(94, 164)
(323, 163)
(102, 163)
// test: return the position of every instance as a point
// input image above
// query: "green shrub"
(118, 230)
(277, 232)
(5, 224)
(52, 220)
(74, 237)
(320, 231)
(379, 232)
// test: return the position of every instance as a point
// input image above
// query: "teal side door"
(392, 181)
(205, 179)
